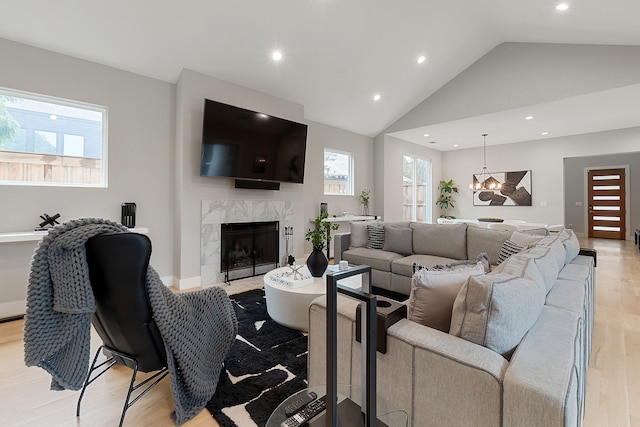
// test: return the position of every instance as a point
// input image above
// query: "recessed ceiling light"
(426, 135)
(263, 116)
(421, 59)
(455, 145)
(562, 6)
(276, 55)
(529, 118)
(544, 133)
(377, 97)
(53, 117)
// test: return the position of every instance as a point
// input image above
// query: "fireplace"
(248, 249)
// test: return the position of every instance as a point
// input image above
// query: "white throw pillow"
(433, 293)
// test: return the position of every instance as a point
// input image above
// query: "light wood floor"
(613, 381)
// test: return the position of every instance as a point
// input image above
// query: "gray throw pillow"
(398, 240)
(497, 310)
(433, 292)
(375, 236)
(358, 237)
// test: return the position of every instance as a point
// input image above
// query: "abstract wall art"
(515, 189)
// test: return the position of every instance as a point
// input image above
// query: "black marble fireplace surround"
(249, 248)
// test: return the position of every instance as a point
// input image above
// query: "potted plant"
(320, 237)
(364, 199)
(445, 201)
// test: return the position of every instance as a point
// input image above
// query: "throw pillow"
(525, 240)
(375, 236)
(571, 244)
(482, 258)
(398, 240)
(433, 293)
(358, 238)
(417, 267)
(508, 248)
(497, 310)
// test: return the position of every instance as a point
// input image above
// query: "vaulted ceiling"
(336, 54)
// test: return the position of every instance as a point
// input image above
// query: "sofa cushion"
(484, 240)
(433, 292)
(444, 240)
(525, 239)
(376, 258)
(496, 310)
(571, 244)
(557, 249)
(375, 236)
(404, 266)
(398, 240)
(358, 238)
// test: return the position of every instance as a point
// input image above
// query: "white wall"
(545, 158)
(140, 144)
(191, 188)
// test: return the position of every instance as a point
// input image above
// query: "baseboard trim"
(191, 282)
(13, 309)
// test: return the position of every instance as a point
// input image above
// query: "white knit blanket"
(198, 328)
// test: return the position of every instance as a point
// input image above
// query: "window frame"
(350, 181)
(428, 199)
(103, 110)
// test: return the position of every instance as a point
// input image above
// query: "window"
(338, 172)
(416, 189)
(49, 141)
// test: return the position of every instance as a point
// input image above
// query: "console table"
(16, 251)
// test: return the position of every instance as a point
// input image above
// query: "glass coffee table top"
(388, 414)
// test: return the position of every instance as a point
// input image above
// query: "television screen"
(245, 144)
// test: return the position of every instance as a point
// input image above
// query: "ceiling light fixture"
(426, 135)
(529, 118)
(276, 55)
(544, 133)
(484, 181)
(421, 59)
(377, 97)
(562, 6)
(455, 145)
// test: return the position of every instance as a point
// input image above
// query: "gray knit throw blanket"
(198, 327)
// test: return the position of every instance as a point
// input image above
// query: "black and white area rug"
(267, 363)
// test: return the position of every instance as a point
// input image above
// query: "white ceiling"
(338, 53)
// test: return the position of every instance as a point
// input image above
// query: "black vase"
(317, 263)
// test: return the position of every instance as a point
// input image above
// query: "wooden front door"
(607, 210)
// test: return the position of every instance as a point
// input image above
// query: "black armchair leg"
(158, 376)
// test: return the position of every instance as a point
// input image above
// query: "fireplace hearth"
(248, 249)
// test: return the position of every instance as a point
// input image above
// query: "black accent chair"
(123, 319)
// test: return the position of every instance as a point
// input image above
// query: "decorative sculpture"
(47, 221)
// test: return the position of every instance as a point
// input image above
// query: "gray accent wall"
(575, 185)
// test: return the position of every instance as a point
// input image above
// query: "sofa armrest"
(340, 244)
(590, 252)
(421, 365)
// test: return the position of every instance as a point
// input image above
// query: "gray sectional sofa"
(424, 244)
(516, 353)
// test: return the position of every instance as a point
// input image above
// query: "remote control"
(305, 414)
(299, 403)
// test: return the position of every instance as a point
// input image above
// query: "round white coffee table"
(290, 306)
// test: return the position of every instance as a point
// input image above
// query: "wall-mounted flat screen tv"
(245, 144)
